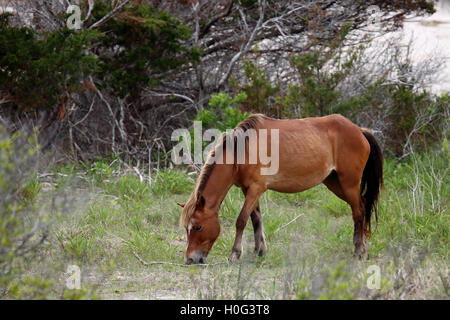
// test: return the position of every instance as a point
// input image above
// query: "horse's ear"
(200, 202)
(181, 204)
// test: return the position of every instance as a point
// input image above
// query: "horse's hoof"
(361, 255)
(234, 257)
(261, 251)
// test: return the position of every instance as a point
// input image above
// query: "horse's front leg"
(251, 201)
(260, 241)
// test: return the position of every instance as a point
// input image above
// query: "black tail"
(372, 179)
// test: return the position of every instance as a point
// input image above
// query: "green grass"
(310, 258)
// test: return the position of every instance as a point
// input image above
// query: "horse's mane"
(252, 122)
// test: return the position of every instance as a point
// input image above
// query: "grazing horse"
(329, 150)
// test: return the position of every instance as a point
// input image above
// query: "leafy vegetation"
(39, 73)
(43, 70)
(151, 44)
(223, 113)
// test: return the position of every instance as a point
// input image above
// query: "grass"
(309, 258)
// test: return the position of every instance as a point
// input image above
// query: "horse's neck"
(219, 182)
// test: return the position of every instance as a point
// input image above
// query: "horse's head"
(202, 229)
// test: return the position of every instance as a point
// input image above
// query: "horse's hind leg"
(353, 193)
(333, 184)
(350, 188)
(260, 242)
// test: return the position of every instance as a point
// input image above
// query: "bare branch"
(246, 46)
(109, 15)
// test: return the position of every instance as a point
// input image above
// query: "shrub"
(22, 227)
(133, 49)
(223, 113)
(151, 43)
(40, 72)
(259, 92)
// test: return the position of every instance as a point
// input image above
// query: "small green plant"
(128, 187)
(100, 170)
(223, 113)
(76, 243)
(171, 181)
(320, 72)
(31, 189)
(153, 43)
(330, 284)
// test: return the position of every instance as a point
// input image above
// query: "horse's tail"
(372, 179)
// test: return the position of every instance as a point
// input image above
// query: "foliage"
(134, 49)
(150, 41)
(41, 72)
(320, 72)
(418, 116)
(259, 90)
(224, 113)
(335, 284)
(22, 227)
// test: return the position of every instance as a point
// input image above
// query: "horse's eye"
(197, 228)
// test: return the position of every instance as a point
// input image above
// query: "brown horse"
(329, 150)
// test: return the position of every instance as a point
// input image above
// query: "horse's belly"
(295, 176)
(294, 183)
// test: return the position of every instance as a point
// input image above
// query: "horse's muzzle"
(195, 258)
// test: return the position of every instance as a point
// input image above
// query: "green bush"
(259, 92)
(41, 71)
(152, 43)
(223, 113)
(23, 228)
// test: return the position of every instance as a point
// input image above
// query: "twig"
(109, 15)
(284, 226)
(245, 47)
(159, 94)
(147, 264)
(86, 115)
(91, 7)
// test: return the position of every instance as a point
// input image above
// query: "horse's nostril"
(189, 261)
(202, 260)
